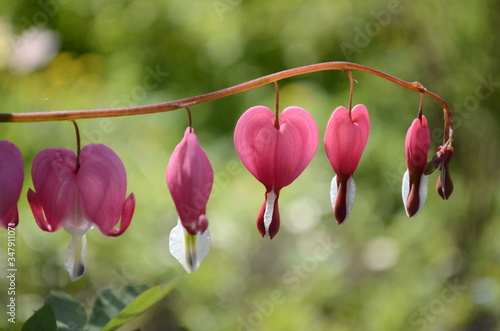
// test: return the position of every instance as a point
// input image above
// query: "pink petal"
(53, 174)
(346, 137)
(296, 145)
(37, 209)
(255, 141)
(126, 217)
(79, 199)
(102, 185)
(417, 142)
(190, 177)
(11, 182)
(276, 157)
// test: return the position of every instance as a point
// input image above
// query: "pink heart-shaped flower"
(11, 183)
(345, 139)
(275, 153)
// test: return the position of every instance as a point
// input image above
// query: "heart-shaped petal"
(53, 174)
(11, 182)
(275, 153)
(276, 156)
(346, 137)
(77, 199)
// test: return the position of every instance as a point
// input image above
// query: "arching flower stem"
(255, 83)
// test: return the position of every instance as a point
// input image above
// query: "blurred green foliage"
(380, 271)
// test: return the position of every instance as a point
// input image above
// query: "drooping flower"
(275, 153)
(190, 177)
(11, 182)
(78, 193)
(345, 139)
(417, 144)
(444, 185)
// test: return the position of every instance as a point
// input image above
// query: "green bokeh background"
(381, 270)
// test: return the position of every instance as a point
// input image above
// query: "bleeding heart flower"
(418, 139)
(11, 183)
(276, 153)
(345, 139)
(78, 193)
(189, 179)
(444, 185)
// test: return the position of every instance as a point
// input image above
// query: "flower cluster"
(277, 148)
(86, 189)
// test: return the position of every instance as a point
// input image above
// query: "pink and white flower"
(190, 177)
(415, 181)
(79, 193)
(275, 152)
(345, 140)
(11, 183)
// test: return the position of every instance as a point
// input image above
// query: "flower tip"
(444, 189)
(268, 220)
(414, 192)
(444, 185)
(342, 193)
(74, 257)
(187, 248)
(202, 224)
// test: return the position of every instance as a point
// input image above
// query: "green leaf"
(110, 302)
(69, 313)
(43, 319)
(142, 303)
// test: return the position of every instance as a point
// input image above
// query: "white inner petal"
(189, 250)
(422, 192)
(74, 257)
(268, 214)
(351, 193)
(333, 191)
(406, 189)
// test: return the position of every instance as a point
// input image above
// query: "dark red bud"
(444, 185)
(413, 201)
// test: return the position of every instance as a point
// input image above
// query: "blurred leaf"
(110, 302)
(69, 313)
(142, 303)
(43, 319)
